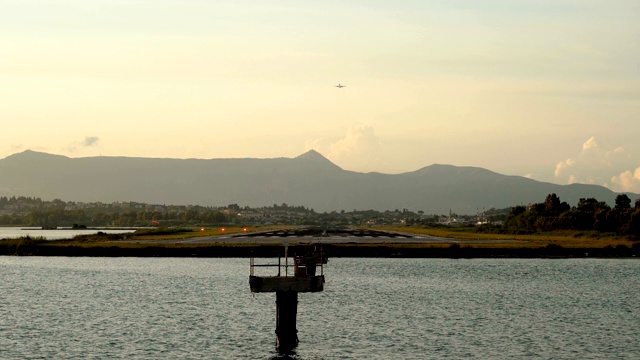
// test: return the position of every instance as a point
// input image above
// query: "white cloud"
(601, 165)
(619, 150)
(358, 141)
(600, 155)
(358, 150)
(563, 165)
(627, 181)
(589, 144)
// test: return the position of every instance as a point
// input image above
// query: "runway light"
(245, 229)
(201, 229)
(222, 229)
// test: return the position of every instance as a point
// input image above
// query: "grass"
(566, 238)
(164, 237)
(21, 245)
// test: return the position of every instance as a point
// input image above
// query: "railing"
(280, 266)
(284, 269)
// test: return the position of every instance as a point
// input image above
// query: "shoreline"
(338, 242)
(331, 250)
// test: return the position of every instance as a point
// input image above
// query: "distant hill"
(309, 180)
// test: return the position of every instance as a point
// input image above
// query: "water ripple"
(133, 308)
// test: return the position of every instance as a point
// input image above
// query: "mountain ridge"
(309, 179)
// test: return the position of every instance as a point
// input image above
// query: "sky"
(547, 89)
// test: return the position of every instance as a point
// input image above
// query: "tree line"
(588, 214)
(27, 211)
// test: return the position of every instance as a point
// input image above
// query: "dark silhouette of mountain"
(309, 180)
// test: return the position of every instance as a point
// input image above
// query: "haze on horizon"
(548, 89)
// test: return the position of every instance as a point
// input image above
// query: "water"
(192, 308)
(58, 234)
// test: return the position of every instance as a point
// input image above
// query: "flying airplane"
(340, 86)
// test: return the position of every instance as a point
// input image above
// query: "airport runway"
(327, 236)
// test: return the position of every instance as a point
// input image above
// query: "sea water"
(199, 308)
(54, 234)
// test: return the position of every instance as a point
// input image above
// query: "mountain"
(309, 180)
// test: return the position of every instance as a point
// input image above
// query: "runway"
(327, 236)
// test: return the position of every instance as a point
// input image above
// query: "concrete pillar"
(286, 311)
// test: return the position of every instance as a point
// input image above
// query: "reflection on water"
(192, 308)
(57, 234)
(285, 355)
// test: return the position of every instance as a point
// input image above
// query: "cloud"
(572, 180)
(589, 144)
(627, 181)
(563, 165)
(358, 150)
(90, 141)
(601, 165)
(358, 141)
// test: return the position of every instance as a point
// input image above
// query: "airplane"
(340, 86)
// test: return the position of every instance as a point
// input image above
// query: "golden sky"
(548, 89)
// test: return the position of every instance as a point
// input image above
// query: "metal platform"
(295, 274)
(286, 283)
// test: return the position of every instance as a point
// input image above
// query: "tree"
(623, 202)
(515, 220)
(604, 220)
(552, 204)
(634, 222)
